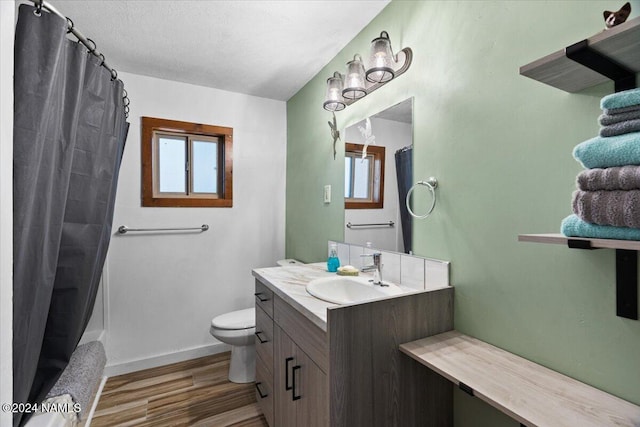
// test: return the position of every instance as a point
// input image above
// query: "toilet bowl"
(237, 329)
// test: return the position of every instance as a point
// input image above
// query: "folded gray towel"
(617, 208)
(616, 178)
(621, 110)
(620, 128)
(82, 376)
(609, 119)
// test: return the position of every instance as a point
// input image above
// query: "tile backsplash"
(403, 269)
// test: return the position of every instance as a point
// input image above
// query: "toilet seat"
(235, 320)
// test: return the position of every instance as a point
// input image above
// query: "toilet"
(237, 329)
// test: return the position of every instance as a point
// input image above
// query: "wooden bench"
(527, 392)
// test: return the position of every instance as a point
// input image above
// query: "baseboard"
(164, 359)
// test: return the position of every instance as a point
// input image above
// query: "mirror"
(376, 186)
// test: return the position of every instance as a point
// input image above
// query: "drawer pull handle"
(286, 373)
(293, 388)
(260, 393)
(262, 341)
(260, 297)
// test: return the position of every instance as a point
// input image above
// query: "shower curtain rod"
(90, 44)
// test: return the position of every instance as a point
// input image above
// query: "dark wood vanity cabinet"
(352, 374)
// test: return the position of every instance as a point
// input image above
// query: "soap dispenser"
(333, 262)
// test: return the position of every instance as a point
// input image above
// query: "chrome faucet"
(376, 267)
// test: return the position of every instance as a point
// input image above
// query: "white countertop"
(290, 282)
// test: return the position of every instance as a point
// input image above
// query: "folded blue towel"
(572, 226)
(622, 99)
(601, 152)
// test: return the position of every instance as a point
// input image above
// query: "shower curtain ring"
(69, 25)
(92, 49)
(38, 10)
(114, 74)
(101, 57)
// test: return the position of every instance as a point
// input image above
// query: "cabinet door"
(311, 389)
(301, 388)
(285, 353)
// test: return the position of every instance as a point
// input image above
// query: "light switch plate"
(327, 194)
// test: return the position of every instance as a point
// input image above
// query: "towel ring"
(431, 184)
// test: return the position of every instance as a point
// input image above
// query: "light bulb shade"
(381, 60)
(354, 79)
(333, 100)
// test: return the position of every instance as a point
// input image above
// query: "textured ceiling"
(263, 48)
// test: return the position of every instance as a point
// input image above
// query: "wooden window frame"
(150, 126)
(377, 177)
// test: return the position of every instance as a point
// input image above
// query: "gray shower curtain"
(69, 134)
(404, 174)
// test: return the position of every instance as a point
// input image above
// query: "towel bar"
(123, 229)
(385, 224)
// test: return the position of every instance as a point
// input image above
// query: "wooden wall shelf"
(626, 265)
(561, 239)
(620, 44)
(528, 392)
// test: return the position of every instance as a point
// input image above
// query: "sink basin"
(347, 290)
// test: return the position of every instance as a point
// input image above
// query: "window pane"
(205, 166)
(348, 161)
(171, 161)
(361, 178)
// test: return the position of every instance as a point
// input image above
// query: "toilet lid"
(241, 319)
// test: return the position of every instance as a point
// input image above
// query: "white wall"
(392, 135)
(163, 290)
(7, 16)
(95, 330)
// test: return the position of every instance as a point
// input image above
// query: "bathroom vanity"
(323, 364)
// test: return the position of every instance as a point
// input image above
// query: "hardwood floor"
(191, 393)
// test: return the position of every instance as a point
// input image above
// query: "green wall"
(500, 145)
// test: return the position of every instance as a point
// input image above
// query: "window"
(186, 164)
(363, 178)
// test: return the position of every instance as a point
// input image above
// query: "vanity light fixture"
(381, 60)
(333, 99)
(354, 84)
(383, 66)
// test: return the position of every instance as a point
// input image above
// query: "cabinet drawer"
(264, 298)
(264, 390)
(309, 337)
(264, 337)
